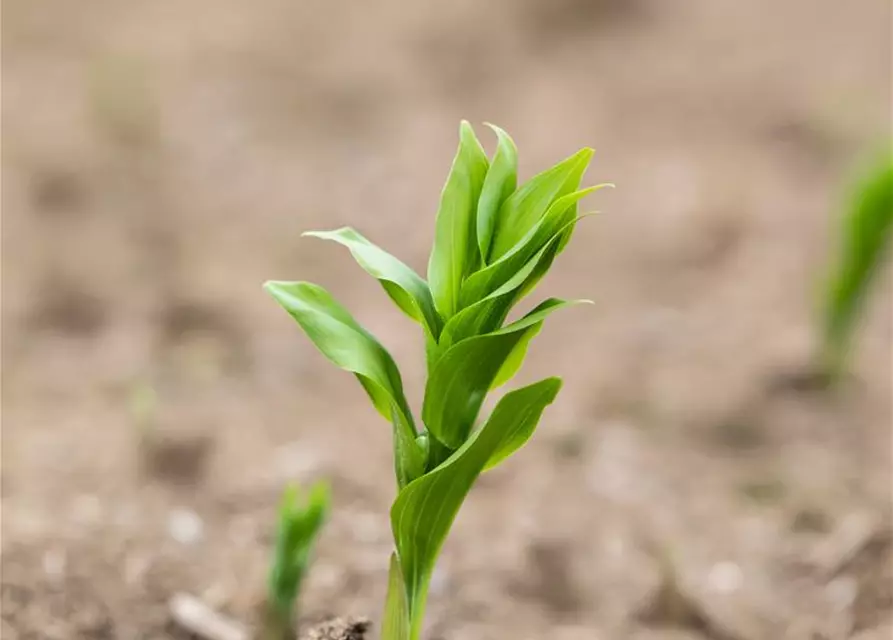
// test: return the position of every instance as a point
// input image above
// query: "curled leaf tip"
(496, 129)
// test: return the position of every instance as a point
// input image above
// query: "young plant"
(865, 238)
(300, 519)
(493, 243)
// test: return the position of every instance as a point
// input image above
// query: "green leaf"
(349, 346)
(558, 218)
(865, 240)
(425, 509)
(568, 232)
(455, 252)
(405, 287)
(488, 314)
(462, 376)
(500, 182)
(515, 359)
(526, 206)
(395, 621)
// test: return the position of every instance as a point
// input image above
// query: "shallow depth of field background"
(160, 160)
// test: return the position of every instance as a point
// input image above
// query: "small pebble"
(86, 510)
(842, 592)
(54, 562)
(725, 577)
(185, 526)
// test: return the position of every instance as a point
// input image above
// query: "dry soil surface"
(160, 160)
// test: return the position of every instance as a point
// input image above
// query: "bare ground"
(160, 160)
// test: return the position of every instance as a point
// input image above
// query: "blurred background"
(160, 160)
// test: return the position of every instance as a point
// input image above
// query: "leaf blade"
(526, 206)
(425, 509)
(500, 182)
(345, 343)
(465, 372)
(404, 286)
(395, 621)
(455, 250)
(559, 217)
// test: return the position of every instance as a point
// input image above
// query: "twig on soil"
(199, 619)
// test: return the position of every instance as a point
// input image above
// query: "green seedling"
(300, 519)
(493, 243)
(864, 241)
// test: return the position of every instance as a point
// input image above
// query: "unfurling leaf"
(455, 253)
(500, 183)
(526, 206)
(558, 218)
(488, 314)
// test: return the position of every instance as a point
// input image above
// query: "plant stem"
(277, 622)
(417, 615)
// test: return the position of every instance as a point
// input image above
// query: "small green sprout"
(865, 238)
(493, 243)
(300, 520)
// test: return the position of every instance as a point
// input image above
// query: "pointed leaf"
(515, 359)
(455, 252)
(488, 314)
(526, 206)
(348, 345)
(425, 509)
(462, 376)
(560, 216)
(395, 621)
(500, 182)
(405, 287)
(569, 231)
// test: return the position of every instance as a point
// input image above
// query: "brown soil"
(160, 160)
(339, 630)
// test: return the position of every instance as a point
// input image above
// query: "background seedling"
(864, 241)
(493, 243)
(301, 518)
